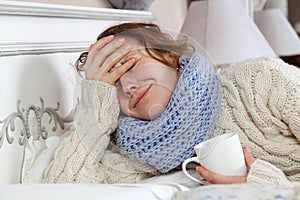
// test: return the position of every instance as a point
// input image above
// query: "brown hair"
(151, 37)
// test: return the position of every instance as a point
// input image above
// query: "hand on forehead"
(137, 50)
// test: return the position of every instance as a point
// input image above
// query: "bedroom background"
(177, 9)
(172, 13)
(48, 40)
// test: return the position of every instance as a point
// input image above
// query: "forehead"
(138, 51)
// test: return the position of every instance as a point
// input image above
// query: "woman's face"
(145, 90)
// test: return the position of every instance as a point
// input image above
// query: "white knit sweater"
(83, 155)
(261, 102)
(260, 109)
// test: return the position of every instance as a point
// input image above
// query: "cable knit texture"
(167, 141)
(83, 154)
(264, 172)
(261, 102)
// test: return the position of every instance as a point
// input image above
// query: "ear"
(172, 56)
(174, 59)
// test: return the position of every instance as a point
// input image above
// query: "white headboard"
(38, 45)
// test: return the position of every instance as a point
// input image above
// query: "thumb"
(249, 159)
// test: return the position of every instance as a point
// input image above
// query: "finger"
(249, 159)
(93, 51)
(104, 57)
(118, 72)
(119, 64)
(218, 178)
(115, 58)
(99, 44)
(101, 50)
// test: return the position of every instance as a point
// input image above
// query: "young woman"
(170, 100)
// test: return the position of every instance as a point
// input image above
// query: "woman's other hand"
(221, 179)
(105, 60)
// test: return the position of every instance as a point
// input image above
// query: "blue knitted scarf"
(167, 141)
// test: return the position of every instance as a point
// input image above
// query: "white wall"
(91, 3)
(169, 14)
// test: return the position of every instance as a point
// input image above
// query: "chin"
(155, 111)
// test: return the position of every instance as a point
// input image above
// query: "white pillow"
(37, 156)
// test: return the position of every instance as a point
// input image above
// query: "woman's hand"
(105, 60)
(221, 179)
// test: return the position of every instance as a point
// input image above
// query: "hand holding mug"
(215, 178)
(221, 155)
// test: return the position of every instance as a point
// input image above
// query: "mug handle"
(184, 164)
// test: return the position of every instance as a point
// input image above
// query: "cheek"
(123, 103)
(164, 97)
(155, 111)
(159, 102)
(162, 75)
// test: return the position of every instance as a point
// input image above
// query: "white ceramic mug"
(222, 154)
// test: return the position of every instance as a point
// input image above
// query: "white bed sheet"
(89, 191)
(145, 192)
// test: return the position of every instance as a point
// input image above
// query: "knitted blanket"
(167, 141)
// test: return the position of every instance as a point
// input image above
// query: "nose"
(128, 85)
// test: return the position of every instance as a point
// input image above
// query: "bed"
(39, 44)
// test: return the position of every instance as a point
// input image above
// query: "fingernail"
(132, 60)
(110, 36)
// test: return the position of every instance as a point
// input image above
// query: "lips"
(141, 93)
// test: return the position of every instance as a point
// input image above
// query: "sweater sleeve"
(260, 102)
(262, 172)
(266, 173)
(82, 155)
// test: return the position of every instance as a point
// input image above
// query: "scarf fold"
(167, 141)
